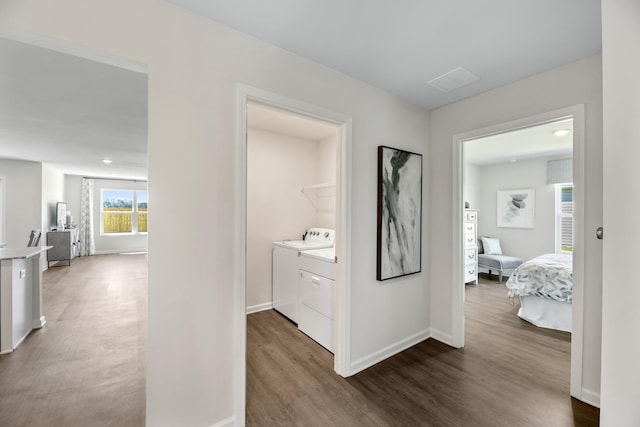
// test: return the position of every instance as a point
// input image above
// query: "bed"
(544, 287)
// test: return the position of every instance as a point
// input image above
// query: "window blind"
(565, 217)
(560, 171)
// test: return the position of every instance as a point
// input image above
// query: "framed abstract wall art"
(516, 208)
(399, 248)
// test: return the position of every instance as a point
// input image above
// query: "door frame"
(3, 211)
(577, 113)
(342, 329)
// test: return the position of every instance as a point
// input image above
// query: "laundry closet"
(291, 218)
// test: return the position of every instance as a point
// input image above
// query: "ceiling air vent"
(453, 80)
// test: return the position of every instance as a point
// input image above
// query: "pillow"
(491, 245)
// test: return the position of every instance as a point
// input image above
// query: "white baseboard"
(121, 251)
(227, 422)
(591, 397)
(37, 324)
(378, 356)
(259, 307)
(442, 337)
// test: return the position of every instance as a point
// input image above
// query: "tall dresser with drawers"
(470, 236)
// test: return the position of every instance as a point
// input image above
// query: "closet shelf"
(306, 188)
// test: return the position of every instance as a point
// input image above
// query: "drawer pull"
(315, 280)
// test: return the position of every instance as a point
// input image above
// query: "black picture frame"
(399, 234)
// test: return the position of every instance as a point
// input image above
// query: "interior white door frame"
(457, 286)
(342, 355)
(3, 216)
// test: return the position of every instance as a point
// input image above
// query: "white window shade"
(560, 171)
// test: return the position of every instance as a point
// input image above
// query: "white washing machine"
(286, 266)
(317, 289)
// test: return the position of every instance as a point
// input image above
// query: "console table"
(65, 243)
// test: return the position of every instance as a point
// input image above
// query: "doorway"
(249, 95)
(576, 113)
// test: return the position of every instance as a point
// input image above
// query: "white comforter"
(548, 276)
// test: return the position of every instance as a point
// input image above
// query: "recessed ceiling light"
(107, 161)
(561, 132)
(513, 160)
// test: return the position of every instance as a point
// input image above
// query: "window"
(124, 211)
(142, 202)
(564, 218)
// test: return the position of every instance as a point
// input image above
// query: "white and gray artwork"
(399, 213)
(516, 208)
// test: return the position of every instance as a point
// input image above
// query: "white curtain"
(87, 243)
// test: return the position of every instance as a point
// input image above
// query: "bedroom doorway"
(479, 186)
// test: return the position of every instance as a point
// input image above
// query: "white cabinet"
(316, 310)
(470, 236)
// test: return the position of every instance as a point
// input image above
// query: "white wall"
(525, 243)
(325, 200)
(472, 185)
(278, 166)
(23, 199)
(73, 196)
(620, 314)
(52, 193)
(576, 83)
(194, 66)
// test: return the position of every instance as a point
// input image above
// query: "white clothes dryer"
(317, 289)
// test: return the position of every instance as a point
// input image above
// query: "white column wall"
(52, 193)
(620, 314)
(23, 199)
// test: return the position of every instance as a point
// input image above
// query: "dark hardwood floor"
(510, 373)
(86, 366)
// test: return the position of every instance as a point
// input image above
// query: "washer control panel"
(317, 234)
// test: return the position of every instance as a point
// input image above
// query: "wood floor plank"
(87, 365)
(510, 373)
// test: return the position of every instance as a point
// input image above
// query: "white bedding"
(547, 276)
(546, 313)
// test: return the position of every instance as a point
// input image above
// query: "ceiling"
(521, 144)
(271, 119)
(71, 112)
(400, 46)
